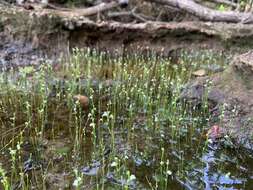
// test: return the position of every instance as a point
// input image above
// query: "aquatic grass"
(4, 179)
(135, 119)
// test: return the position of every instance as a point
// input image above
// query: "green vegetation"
(135, 133)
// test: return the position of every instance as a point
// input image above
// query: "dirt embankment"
(230, 95)
(48, 30)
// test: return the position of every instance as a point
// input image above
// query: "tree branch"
(131, 13)
(82, 12)
(225, 2)
(207, 14)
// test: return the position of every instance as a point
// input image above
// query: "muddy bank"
(230, 97)
(16, 54)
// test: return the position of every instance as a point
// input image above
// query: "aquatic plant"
(131, 132)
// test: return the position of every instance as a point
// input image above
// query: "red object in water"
(214, 132)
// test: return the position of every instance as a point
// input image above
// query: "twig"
(51, 6)
(141, 17)
(206, 13)
(78, 12)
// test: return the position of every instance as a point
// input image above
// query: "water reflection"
(213, 177)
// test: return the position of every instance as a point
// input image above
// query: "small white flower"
(132, 177)
(18, 146)
(77, 182)
(114, 164)
(92, 125)
(106, 114)
(12, 152)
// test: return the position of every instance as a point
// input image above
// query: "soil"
(230, 95)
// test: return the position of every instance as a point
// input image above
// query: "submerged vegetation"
(132, 131)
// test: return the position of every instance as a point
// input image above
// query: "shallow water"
(135, 134)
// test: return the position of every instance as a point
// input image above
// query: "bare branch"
(207, 14)
(225, 2)
(132, 13)
(81, 12)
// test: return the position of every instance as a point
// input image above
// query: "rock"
(129, 183)
(244, 63)
(31, 164)
(83, 100)
(214, 68)
(93, 169)
(230, 95)
(243, 66)
(194, 90)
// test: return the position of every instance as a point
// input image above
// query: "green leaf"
(221, 8)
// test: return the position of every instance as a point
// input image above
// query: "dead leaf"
(199, 73)
(83, 100)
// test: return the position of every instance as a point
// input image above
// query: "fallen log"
(207, 14)
(50, 30)
(74, 12)
(225, 2)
